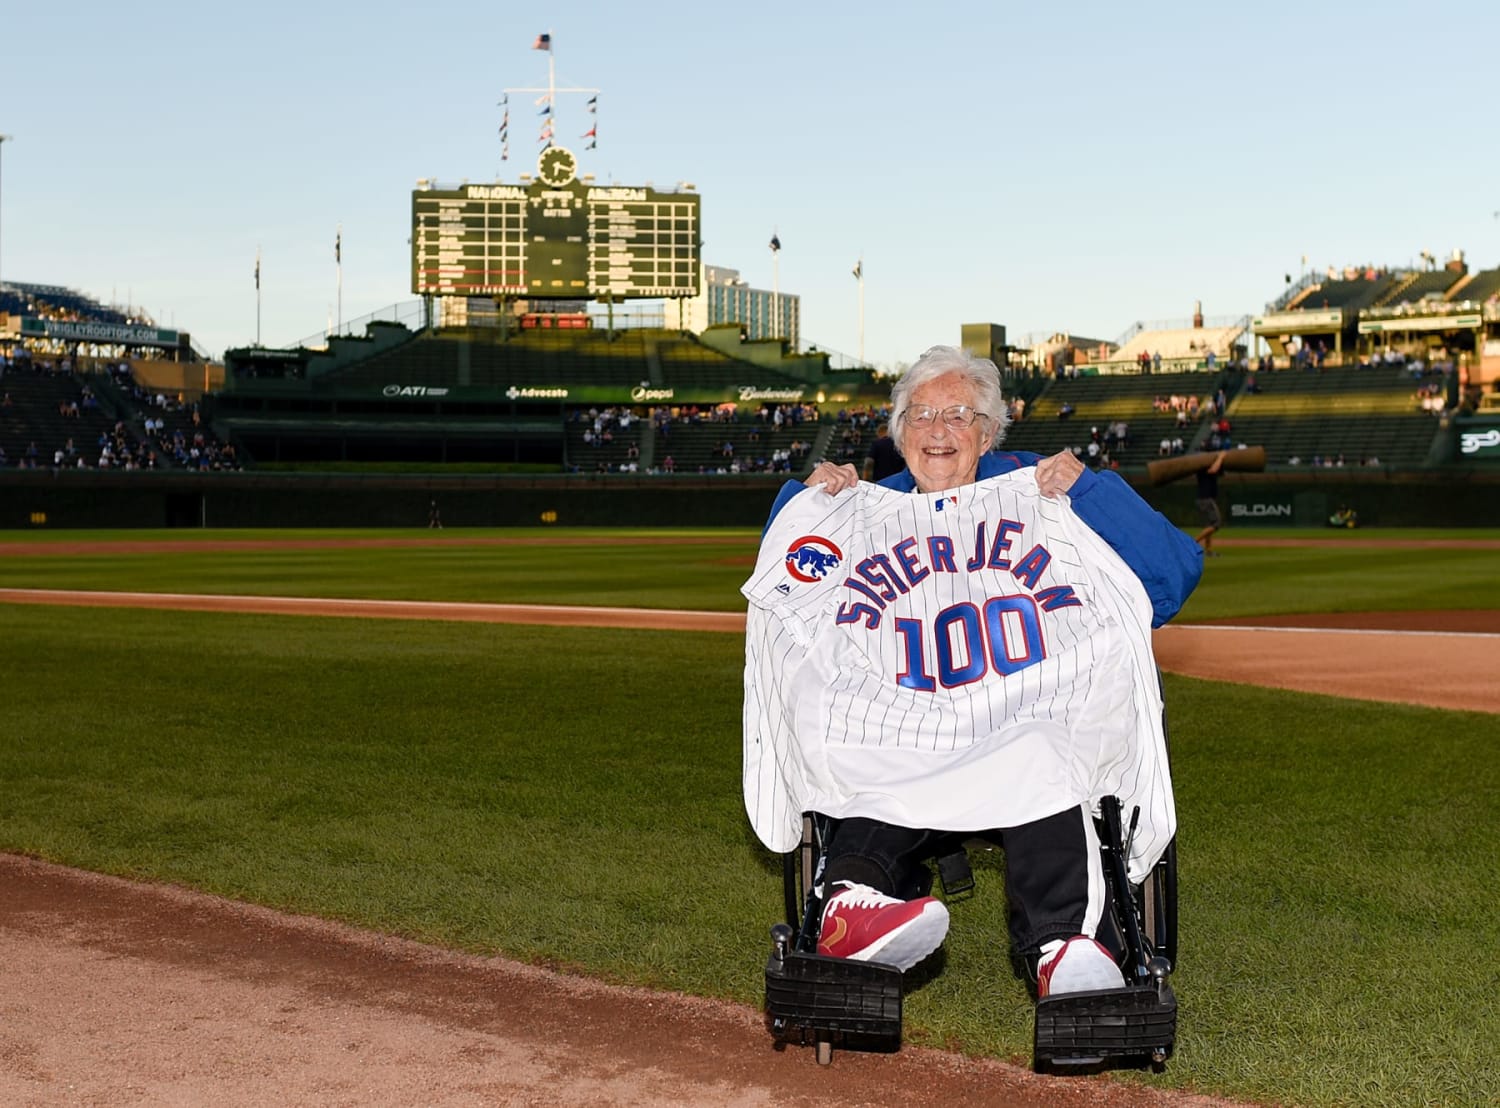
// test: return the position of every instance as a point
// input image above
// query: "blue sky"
(1044, 166)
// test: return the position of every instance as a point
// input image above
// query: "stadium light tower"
(3, 140)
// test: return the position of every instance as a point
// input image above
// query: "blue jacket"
(1167, 562)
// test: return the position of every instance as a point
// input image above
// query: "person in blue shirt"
(947, 420)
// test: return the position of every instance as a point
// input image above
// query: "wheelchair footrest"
(1106, 1025)
(814, 998)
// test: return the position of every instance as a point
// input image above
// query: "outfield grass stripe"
(557, 614)
(1341, 631)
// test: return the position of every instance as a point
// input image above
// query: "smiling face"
(939, 456)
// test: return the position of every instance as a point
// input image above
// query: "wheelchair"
(814, 1000)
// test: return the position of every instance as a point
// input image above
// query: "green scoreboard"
(555, 237)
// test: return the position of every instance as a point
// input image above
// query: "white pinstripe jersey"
(963, 661)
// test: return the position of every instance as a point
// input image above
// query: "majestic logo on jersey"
(811, 557)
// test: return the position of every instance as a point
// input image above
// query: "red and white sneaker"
(1076, 966)
(867, 926)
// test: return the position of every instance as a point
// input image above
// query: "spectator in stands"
(1156, 362)
(1208, 505)
(883, 459)
(1065, 411)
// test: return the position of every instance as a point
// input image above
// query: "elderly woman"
(1012, 689)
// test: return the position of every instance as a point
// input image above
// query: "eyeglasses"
(958, 417)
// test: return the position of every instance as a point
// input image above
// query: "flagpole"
(4, 139)
(859, 272)
(775, 285)
(551, 80)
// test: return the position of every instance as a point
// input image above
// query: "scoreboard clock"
(556, 166)
(555, 237)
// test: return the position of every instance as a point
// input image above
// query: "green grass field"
(602, 567)
(571, 796)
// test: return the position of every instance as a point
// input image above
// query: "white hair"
(941, 361)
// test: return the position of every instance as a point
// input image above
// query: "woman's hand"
(1056, 475)
(834, 479)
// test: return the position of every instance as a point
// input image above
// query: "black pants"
(1054, 878)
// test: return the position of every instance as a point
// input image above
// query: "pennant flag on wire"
(592, 132)
(544, 98)
(546, 111)
(338, 247)
(593, 145)
(543, 42)
(257, 269)
(775, 242)
(593, 104)
(859, 269)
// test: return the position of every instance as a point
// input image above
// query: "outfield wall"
(74, 499)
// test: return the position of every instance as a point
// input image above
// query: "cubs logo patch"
(811, 557)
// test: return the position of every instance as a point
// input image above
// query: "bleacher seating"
(1359, 412)
(1350, 294)
(1100, 401)
(556, 357)
(686, 362)
(13, 301)
(54, 302)
(33, 426)
(1415, 286)
(608, 442)
(688, 445)
(1479, 288)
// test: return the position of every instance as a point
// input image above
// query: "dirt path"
(114, 992)
(120, 993)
